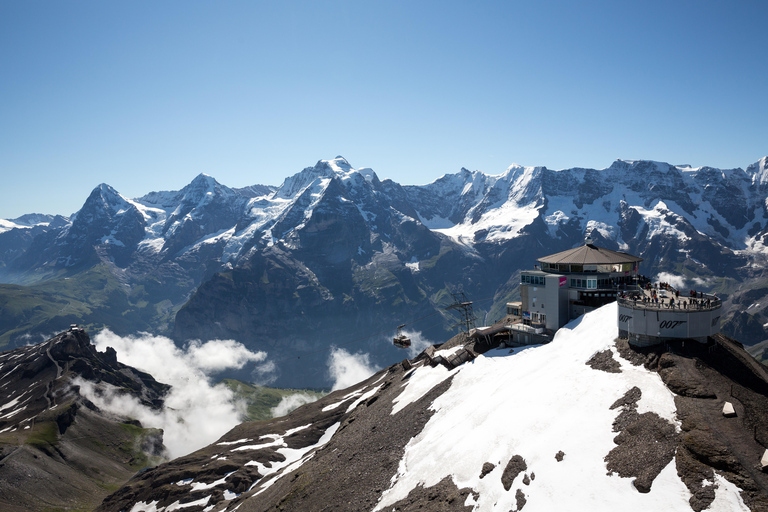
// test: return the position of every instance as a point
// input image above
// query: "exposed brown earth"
(645, 445)
(704, 377)
(604, 361)
(515, 466)
(442, 497)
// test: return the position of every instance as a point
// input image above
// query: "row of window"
(589, 284)
(619, 267)
(537, 280)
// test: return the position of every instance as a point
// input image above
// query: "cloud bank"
(680, 282)
(196, 412)
(347, 369)
(291, 402)
(418, 343)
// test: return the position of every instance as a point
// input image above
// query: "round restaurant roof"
(590, 255)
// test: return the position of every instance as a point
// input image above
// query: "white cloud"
(348, 369)
(682, 283)
(698, 281)
(291, 402)
(264, 374)
(418, 343)
(27, 339)
(675, 280)
(196, 412)
(218, 355)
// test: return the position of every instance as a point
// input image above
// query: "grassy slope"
(260, 400)
(93, 458)
(759, 351)
(93, 298)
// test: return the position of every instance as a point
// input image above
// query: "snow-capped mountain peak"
(31, 220)
(368, 174)
(110, 198)
(758, 172)
(103, 201)
(294, 185)
(337, 168)
(339, 164)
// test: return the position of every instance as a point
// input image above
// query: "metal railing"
(704, 302)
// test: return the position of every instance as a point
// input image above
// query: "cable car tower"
(464, 307)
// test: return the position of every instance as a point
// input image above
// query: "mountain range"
(336, 256)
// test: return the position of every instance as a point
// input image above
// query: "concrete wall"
(550, 300)
(650, 326)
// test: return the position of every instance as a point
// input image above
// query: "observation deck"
(652, 315)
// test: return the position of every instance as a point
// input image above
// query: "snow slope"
(535, 403)
(542, 405)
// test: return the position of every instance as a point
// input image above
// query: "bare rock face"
(520, 499)
(442, 497)
(604, 361)
(515, 466)
(681, 377)
(487, 468)
(645, 445)
(702, 377)
(57, 450)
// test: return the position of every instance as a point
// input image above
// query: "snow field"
(533, 404)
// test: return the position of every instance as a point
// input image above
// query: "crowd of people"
(664, 295)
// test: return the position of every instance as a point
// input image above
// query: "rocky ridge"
(57, 449)
(403, 439)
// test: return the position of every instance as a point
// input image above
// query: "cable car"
(401, 340)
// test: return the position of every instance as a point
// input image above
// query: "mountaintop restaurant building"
(568, 284)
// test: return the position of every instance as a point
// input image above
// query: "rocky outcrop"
(646, 443)
(57, 449)
(703, 377)
(350, 470)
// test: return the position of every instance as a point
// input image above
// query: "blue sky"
(146, 95)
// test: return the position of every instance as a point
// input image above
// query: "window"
(592, 284)
(534, 280)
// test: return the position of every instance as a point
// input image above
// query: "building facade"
(573, 282)
(644, 322)
(565, 285)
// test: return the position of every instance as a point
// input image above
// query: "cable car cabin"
(401, 340)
